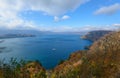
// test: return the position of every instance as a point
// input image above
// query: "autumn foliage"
(101, 60)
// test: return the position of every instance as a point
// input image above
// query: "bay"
(49, 49)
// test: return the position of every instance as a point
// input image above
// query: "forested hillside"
(102, 60)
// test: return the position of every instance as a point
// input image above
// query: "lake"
(49, 49)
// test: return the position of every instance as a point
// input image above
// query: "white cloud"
(98, 27)
(65, 17)
(108, 9)
(57, 19)
(16, 23)
(66, 28)
(50, 7)
(54, 7)
(10, 10)
(117, 25)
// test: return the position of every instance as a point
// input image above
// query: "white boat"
(53, 49)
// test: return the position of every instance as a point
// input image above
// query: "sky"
(60, 15)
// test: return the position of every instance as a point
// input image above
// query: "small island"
(15, 36)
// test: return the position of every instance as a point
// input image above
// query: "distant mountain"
(18, 33)
(95, 35)
(33, 32)
(15, 35)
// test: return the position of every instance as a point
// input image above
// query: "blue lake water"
(49, 49)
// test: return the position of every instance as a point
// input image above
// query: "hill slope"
(95, 35)
(101, 61)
